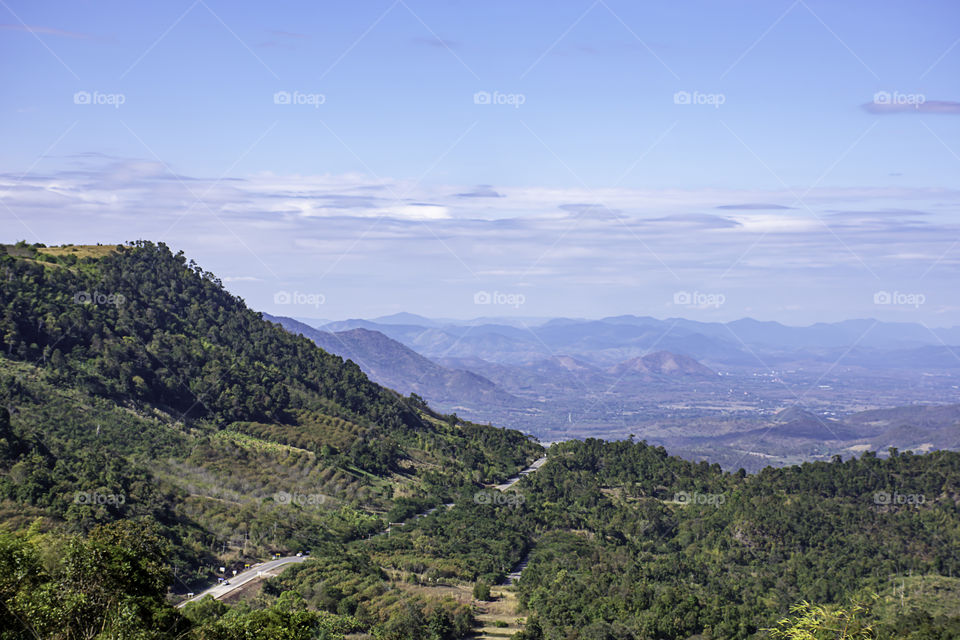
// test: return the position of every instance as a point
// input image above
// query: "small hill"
(790, 430)
(916, 439)
(794, 415)
(915, 427)
(935, 416)
(662, 363)
(562, 365)
(405, 318)
(798, 423)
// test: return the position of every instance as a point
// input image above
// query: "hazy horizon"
(538, 320)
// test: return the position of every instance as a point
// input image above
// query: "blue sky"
(790, 159)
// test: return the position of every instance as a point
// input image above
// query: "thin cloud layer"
(374, 245)
(749, 206)
(46, 31)
(934, 107)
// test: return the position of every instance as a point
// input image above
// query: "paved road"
(514, 575)
(261, 570)
(502, 487)
(514, 480)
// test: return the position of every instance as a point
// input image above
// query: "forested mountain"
(136, 389)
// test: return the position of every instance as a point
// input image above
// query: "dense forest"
(627, 542)
(149, 421)
(684, 549)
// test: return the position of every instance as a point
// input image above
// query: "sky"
(785, 160)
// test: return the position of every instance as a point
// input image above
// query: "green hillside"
(627, 542)
(135, 389)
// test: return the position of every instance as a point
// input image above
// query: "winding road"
(272, 568)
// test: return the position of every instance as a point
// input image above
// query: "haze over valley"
(704, 390)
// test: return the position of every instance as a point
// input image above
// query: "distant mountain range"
(394, 365)
(610, 341)
(745, 393)
(473, 385)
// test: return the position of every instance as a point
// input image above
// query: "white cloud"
(378, 238)
(776, 223)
